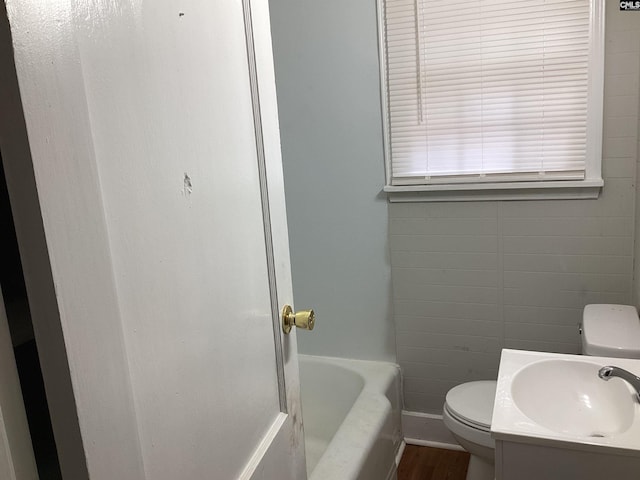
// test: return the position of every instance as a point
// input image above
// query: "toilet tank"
(611, 331)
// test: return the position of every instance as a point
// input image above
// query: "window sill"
(558, 190)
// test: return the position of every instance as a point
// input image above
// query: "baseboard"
(393, 473)
(429, 443)
(400, 452)
(428, 430)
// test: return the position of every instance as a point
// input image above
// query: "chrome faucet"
(608, 372)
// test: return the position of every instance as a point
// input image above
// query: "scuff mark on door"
(187, 188)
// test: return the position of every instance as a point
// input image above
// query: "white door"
(153, 134)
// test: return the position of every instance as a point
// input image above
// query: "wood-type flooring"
(426, 463)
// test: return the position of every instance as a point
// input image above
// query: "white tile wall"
(472, 278)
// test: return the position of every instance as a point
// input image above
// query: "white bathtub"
(351, 415)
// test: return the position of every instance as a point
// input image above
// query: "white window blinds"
(486, 90)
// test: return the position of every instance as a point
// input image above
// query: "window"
(493, 95)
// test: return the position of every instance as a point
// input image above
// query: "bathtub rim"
(382, 380)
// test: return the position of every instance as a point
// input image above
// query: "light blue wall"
(327, 77)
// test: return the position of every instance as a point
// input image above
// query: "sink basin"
(566, 396)
(554, 419)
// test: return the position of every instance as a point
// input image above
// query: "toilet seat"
(474, 426)
(464, 434)
(467, 414)
(472, 403)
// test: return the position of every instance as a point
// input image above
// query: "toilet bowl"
(467, 414)
(607, 330)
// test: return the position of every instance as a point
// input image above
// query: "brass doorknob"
(304, 319)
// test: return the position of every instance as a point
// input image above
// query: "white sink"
(553, 399)
(567, 396)
(555, 419)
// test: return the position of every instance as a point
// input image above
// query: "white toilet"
(607, 331)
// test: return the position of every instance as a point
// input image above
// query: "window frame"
(588, 188)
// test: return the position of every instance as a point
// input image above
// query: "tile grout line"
(633, 295)
(500, 267)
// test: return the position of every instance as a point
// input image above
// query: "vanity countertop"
(567, 404)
